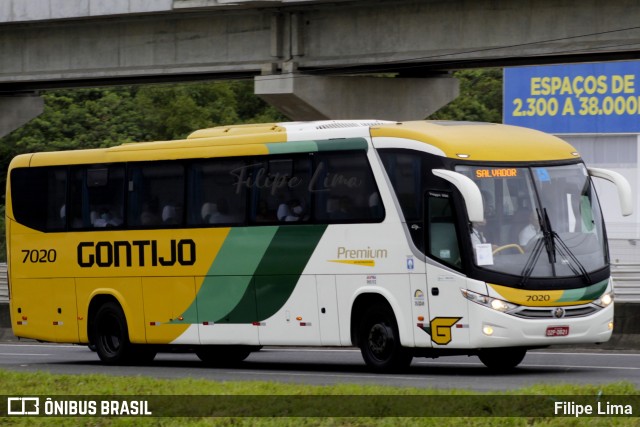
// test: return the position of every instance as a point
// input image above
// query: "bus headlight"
(487, 301)
(605, 300)
(500, 305)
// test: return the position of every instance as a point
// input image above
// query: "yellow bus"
(411, 239)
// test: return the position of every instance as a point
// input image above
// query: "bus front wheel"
(379, 341)
(502, 359)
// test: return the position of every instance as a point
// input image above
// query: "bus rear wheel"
(111, 338)
(110, 335)
(379, 341)
(502, 359)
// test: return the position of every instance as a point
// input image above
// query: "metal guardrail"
(626, 277)
(4, 286)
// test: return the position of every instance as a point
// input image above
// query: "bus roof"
(464, 140)
(481, 141)
(455, 139)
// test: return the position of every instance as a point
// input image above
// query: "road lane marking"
(529, 365)
(582, 354)
(323, 375)
(26, 354)
(302, 350)
(81, 346)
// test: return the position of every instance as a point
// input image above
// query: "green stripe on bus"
(280, 269)
(230, 275)
(242, 251)
(292, 147)
(290, 250)
(220, 296)
(587, 293)
(340, 144)
(254, 273)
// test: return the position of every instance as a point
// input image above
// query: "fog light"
(611, 326)
(487, 330)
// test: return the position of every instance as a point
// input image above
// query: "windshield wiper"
(548, 240)
(548, 235)
(531, 262)
(563, 249)
(565, 253)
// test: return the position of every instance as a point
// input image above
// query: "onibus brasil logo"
(29, 406)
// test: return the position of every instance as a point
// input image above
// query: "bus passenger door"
(448, 317)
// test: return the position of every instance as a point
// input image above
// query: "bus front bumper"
(491, 328)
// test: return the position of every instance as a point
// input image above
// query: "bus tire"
(379, 341)
(224, 355)
(111, 336)
(502, 359)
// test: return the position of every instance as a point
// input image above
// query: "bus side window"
(443, 236)
(217, 192)
(344, 189)
(97, 196)
(405, 171)
(39, 196)
(280, 190)
(156, 194)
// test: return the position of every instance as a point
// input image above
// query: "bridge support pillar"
(15, 111)
(306, 97)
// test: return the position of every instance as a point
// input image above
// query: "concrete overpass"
(309, 58)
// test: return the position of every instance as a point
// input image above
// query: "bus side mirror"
(469, 190)
(624, 189)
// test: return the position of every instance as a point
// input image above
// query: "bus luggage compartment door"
(45, 309)
(169, 309)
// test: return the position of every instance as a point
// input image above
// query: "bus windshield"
(539, 221)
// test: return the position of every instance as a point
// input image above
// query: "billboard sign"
(577, 98)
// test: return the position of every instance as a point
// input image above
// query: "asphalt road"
(322, 366)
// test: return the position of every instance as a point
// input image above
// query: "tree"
(84, 118)
(252, 109)
(480, 97)
(172, 112)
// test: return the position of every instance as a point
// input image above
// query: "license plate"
(557, 331)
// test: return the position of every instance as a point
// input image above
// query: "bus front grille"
(554, 313)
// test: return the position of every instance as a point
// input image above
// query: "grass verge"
(372, 403)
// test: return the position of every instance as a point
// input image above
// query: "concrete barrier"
(626, 334)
